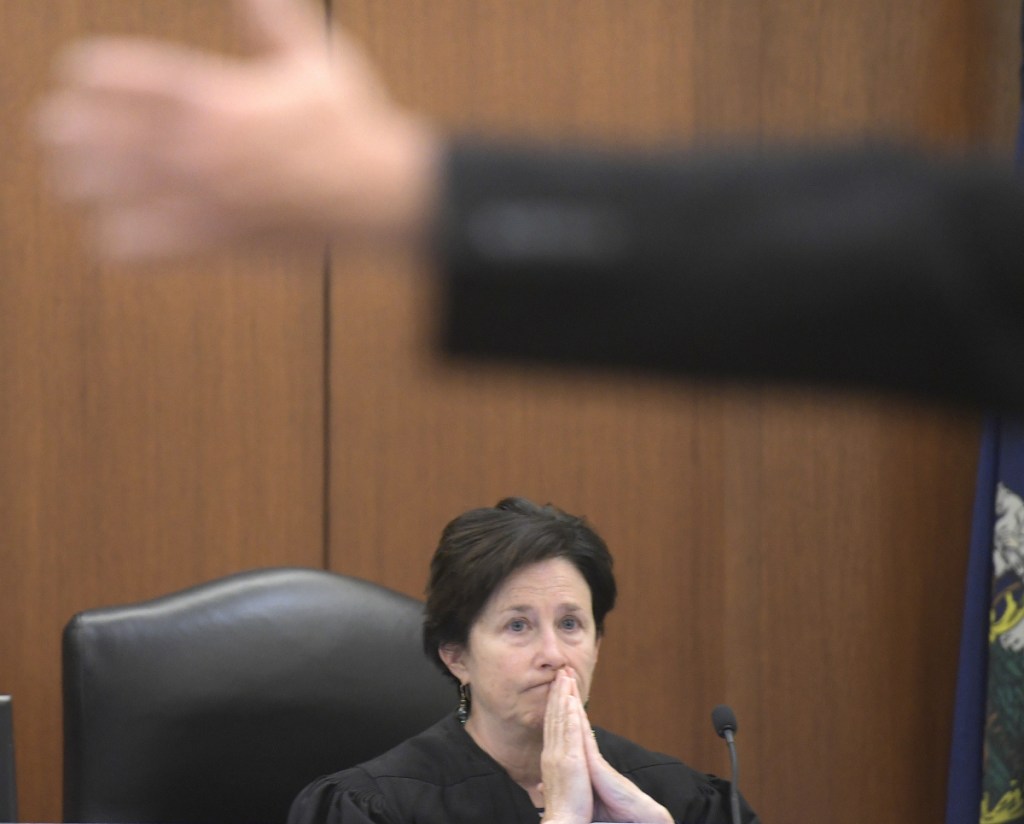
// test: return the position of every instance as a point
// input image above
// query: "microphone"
(724, 720)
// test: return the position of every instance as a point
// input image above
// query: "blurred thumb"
(283, 26)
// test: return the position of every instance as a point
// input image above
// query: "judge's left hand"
(616, 798)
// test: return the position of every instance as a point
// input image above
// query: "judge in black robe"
(516, 603)
(442, 777)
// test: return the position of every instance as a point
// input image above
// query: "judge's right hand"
(172, 150)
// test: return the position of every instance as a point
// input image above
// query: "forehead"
(555, 581)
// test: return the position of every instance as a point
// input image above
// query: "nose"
(551, 654)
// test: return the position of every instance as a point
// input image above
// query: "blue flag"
(965, 762)
(986, 766)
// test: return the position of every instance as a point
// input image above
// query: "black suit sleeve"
(876, 269)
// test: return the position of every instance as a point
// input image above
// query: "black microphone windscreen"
(724, 719)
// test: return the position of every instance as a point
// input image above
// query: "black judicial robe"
(869, 268)
(442, 777)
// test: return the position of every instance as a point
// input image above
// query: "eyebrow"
(568, 607)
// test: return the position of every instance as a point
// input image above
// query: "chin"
(533, 721)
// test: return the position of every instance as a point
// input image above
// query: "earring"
(462, 713)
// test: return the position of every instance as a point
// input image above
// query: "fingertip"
(282, 25)
(44, 119)
(81, 62)
(68, 62)
(56, 120)
(64, 64)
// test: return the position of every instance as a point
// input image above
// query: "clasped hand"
(579, 785)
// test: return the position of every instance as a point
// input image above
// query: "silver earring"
(462, 713)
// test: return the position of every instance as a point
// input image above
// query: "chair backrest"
(8, 784)
(217, 704)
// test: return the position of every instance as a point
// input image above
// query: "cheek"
(585, 664)
(499, 672)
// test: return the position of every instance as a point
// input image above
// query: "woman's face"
(537, 622)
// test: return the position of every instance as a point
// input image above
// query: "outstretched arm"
(864, 269)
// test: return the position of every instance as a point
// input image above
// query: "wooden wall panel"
(157, 427)
(797, 554)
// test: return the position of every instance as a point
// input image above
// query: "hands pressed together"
(173, 150)
(579, 786)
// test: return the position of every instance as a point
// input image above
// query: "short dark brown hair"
(479, 549)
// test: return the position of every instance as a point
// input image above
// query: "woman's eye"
(517, 625)
(570, 622)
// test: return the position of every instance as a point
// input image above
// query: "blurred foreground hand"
(173, 150)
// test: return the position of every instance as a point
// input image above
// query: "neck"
(518, 752)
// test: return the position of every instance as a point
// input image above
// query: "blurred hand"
(173, 150)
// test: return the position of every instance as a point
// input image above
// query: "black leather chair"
(8, 785)
(217, 704)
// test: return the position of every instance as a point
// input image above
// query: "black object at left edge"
(8, 785)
